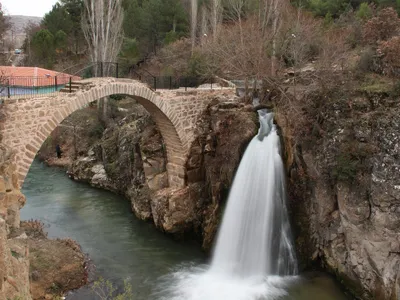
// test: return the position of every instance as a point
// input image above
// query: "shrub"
(34, 228)
(391, 55)
(346, 168)
(117, 97)
(322, 7)
(197, 65)
(96, 131)
(364, 12)
(382, 27)
(171, 37)
(328, 20)
(175, 56)
(351, 160)
(355, 36)
(366, 62)
(105, 290)
(396, 90)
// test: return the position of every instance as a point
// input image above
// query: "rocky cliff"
(130, 159)
(342, 157)
(23, 275)
(14, 253)
(344, 188)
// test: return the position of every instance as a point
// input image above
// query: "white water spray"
(254, 257)
(254, 239)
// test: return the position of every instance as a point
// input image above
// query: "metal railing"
(25, 87)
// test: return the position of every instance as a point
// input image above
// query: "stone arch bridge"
(28, 122)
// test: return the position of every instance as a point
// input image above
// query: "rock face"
(130, 160)
(345, 193)
(14, 253)
(224, 133)
(22, 254)
(129, 154)
(343, 181)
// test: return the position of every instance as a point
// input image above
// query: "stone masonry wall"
(28, 122)
(14, 253)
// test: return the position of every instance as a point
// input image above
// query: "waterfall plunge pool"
(122, 247)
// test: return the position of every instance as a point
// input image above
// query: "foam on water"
(201, 283)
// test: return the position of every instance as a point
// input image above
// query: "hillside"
(20, 22)
(16, 35)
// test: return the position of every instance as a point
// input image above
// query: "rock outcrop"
(130, 160)
(223, 135)
(14, 253)
(345, 192)
(343, 181)
(129, 155)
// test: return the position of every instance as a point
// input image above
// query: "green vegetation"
(364, 12)
(352, 160)
(377, 85)
(96, 131)
(150, 24)
(346, 167)
(333, 46)
(105, 290)
(337, 7)
(59, 35)
(15, 254)
(162, 28)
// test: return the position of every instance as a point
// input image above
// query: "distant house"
(31, 80)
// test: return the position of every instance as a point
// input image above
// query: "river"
(119, 245)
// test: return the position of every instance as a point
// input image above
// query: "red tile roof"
(33, 76)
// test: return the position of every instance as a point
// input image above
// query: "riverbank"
(56, 265)
(120, 246)
(125, 153)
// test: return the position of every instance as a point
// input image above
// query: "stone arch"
(51, 111)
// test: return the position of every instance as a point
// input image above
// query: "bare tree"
(30, 29)
(235, 9)
(225, 55)
(216, 17)
(102, 27)
(193, 16)
(203, 23)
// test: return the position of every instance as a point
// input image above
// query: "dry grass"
(58, 266)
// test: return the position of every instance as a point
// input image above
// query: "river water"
(121, 246)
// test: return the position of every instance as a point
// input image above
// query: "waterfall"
(254, 238)
(254, 256)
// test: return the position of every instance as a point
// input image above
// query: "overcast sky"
(35, 8)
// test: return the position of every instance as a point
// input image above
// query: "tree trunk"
(193, 23)
(102, 27)
(275, 20)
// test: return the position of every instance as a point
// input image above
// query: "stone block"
(194, 161)
(158, 182)
(8, 184)
(15, 181)
(2, 185)
(152, 167)
(16, 198)
(13, 216)
(194, 175)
